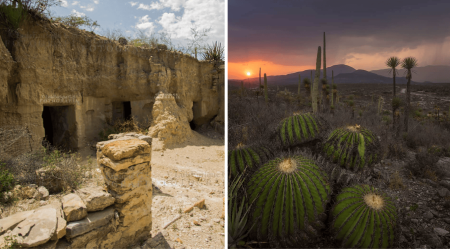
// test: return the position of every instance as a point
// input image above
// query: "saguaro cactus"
(324, 58)
(380, 104)
(299, 84)
(289, 196)
(364, 217)
(315, 90)
(266, 94)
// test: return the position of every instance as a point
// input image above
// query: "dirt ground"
(184, 175)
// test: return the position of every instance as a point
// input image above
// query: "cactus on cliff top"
(289, 197)
(300, 128)
(246, 156)
(352, 147)
(364, 217)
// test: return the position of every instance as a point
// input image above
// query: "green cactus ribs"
(364, 217)
(300, 128)
(289, 197)
(352, 147)
(246, 156)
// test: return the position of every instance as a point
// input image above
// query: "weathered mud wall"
(51, 65)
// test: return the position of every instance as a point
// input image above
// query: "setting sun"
(248, 73)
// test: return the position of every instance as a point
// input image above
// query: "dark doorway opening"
(127, 110)
(60, 127)
(192, 124)
(48, 127)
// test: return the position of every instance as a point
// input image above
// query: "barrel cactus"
(244, 156)
(289, 196)
(364, 217)
(352, 147)
(300, 128)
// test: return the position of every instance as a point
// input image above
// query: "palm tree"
(393, 62)
(408, 63)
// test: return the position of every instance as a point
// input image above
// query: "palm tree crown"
(409, 63)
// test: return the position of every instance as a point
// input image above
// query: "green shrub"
(364, 217)
(289, 197)
(300, 128)
(352, 147)
(7, 180)
(214, 52)
(12, 16)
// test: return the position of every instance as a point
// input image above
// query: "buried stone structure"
(91, 217)
(67, 85)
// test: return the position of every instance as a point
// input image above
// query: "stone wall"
(51, 65)
(92, 217)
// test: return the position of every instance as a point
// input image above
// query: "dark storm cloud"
(285, 31)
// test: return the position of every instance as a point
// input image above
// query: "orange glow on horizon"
(243, 70)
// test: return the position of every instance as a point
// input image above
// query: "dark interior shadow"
(157, 191)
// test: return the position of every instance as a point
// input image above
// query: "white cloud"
(133, 3)
(88, 8)
(203, 14)
(75, 3)
(79, 14)
(96, 1)
(145, 24)
(64, 3)
(174, 5)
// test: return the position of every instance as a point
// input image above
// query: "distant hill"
(435, 74)
(292, 78)
(342, 74)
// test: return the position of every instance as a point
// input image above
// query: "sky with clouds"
(174, 17)
(282, 36)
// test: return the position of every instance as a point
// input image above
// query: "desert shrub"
(24, 168)
(121, 126)
(364, 217)
(424, 165)
(426, 135)
(396, 149)
(12, 15)
(7, 180)
(290, 197)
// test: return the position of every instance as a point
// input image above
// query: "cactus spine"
(289, 196)
(266, 95)
(364, 217)
(315, 89)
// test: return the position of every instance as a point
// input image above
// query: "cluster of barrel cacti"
(287, 194)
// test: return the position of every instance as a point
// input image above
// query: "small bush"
(6, 180)
(214, 52)
(424, 165)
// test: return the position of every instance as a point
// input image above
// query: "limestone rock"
(92, 221)
(125, 163)
(61, 225)
(95, 198)
(11, 221)
(50, 178)
(73, 207)
(37, 228)
(444, 165)
(121, 149)
(440, 231)
(42, 193)
(94, 237)
(29, 192)
(443, 192)
(170, 123)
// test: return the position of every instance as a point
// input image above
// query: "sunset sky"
(282, 36)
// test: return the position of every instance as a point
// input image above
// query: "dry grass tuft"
(396, 181)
